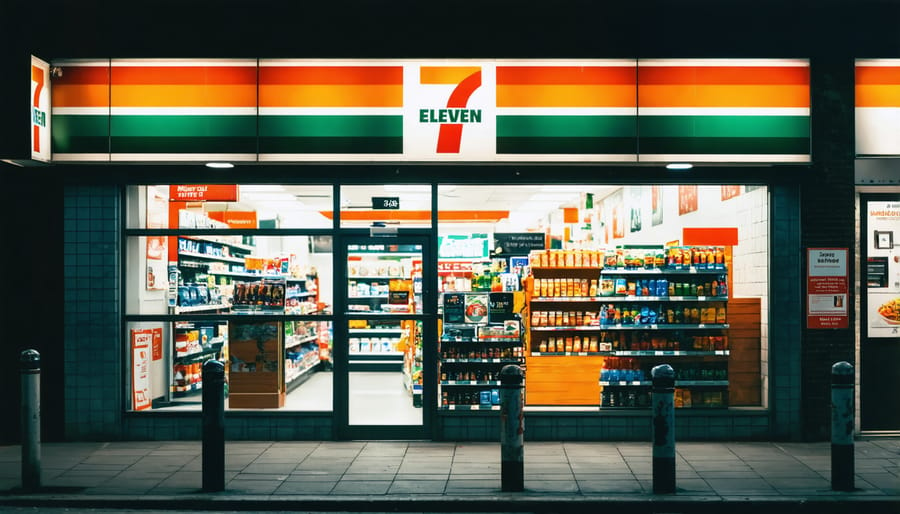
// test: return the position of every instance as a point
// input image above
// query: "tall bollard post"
(512, 429)
(213, 426)
(663, 429)
(30, 366)
(842, 414)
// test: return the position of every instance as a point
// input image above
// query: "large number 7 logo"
(37, 75)
(467, 80)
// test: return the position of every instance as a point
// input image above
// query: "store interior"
(525, 254)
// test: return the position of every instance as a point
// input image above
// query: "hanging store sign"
(203, 193)
(877, 112)
(385, 202)
(707, 110)
(827, 288)
(40, 110)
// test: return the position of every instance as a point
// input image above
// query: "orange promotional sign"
(203, 193)
(235, 219)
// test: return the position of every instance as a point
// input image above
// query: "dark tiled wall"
(93, 359)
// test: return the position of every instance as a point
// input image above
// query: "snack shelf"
(201, 308)
(682, 326)
(616, 299)
(678, 383)
(377, 277)
(470, 407)
(662, 271)
(212, 257)
(193, 357)
(374, 330)
(470, 382)
(473, 361)
(239, 246)
(298, 342)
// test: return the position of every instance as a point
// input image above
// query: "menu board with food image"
(477, 308)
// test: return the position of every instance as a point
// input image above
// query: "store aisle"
(380, 399)
(313, 395)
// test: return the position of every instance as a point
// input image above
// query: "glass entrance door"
(387, 322)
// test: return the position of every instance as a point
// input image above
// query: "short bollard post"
(213, 426)
(663, 429)
(512, 429)
(30, 365)
(842, 414)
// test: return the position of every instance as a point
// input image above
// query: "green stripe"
(566, 145)
(724, 126)
(80, 133)
(331, 126)
(566, 126)
(162, 145)
(330, 145)
(724, 145)
(183, 126)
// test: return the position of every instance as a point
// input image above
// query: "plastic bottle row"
(673, 258)
(632, 341)
(478, 375)
(507, 352)
(482, 398)
(620, 314)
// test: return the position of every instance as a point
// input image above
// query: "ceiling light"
(221, 165)
(679, 166)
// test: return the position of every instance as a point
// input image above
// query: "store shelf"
(682, 326)
(662, 271)
(475, 361)
(569, 354)
(298, 342)
(678, 383)
(376, 355)
(290, 379)
(375, 330)
(470, 382)
(470, 407)
(211, 257)
(616, 299)
(499, 339)
(195, 356)
(200, 308)
(367, 297)
(666, 353)
(244, 274)
(377, 277)
(300, 295)
(239, 246)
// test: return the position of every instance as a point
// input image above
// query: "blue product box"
(495, 396)
(485, 397)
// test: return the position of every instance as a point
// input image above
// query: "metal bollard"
(30, 366)
(663, 429)
(842, 413)
(213, 426)
(512, 429)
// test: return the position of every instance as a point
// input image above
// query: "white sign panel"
(883, 268)
(40, 110)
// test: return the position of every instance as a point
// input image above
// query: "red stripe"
(159, 75)
(449, 138)
(566, 75)
(362, 75)
(712, 75)
(715, 236)
(83, 75)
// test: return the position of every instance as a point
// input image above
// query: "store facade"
(531, 195)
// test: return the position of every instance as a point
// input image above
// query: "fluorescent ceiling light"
(222, 165)
(679, 166)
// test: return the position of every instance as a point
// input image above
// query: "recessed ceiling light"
(219, 165)
(679, 166)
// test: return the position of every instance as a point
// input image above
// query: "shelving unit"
(629, 319)
(469, 369)
(195, 343)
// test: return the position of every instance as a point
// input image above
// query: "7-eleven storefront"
(386, 235)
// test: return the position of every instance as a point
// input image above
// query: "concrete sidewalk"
(435, 476)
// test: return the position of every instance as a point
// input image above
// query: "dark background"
(829, 32)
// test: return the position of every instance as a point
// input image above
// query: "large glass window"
(242, 274)
(608, 282)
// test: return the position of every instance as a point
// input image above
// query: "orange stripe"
(723, 96)
(184, 96)
(566, 96)
(368, 215)
(83, 75)
(331, 96)
(445, 74)
(877, 95)
(714, 236)
(188, 75)
(877, 75)
(359, 75)
(566, 75)
(87, 95)
(772, 75)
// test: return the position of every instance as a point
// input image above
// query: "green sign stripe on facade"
(566, 145)
(330, 145)
(565, 126)
(179, 144)
(183, 126)
(80, 133)
(724, 126)
(725, 145)
(331, 126)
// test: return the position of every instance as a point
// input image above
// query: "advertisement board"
(827, 288)
(883, 269)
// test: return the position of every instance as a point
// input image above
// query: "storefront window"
(192, 295)
(608, 281)
(392, 205)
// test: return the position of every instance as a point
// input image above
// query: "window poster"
(617, 212)
(635, 209)
(827, 288)
(656, 205)
(141, 341)
(883, 268)
(729, 192)
(157, 250)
